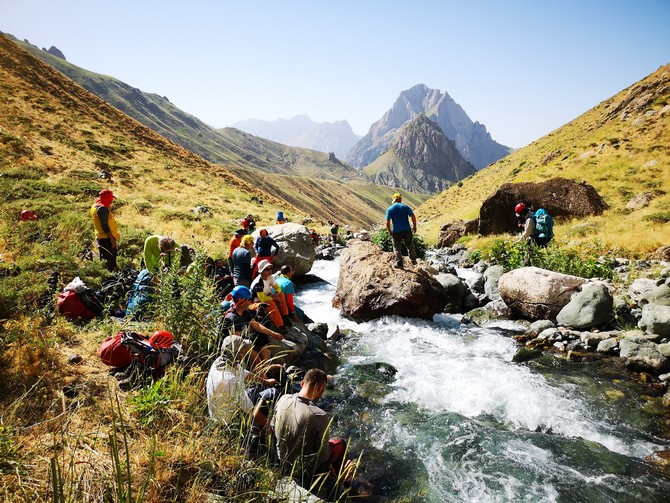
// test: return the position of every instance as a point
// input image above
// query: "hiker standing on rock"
(106, 231)
(399, 214)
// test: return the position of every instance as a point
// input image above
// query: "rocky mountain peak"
(470, 138)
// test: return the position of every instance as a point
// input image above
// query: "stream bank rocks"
(369, 286)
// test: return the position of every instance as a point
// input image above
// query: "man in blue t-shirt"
(399, 214)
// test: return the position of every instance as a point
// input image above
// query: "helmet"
(240, 292)
(519, 208)
(162, 339)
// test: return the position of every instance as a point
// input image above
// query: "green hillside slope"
(621, 147)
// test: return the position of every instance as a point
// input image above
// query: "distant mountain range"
(301, 131)
(470, 138)
(420, 159)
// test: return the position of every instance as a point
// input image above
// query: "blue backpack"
(544, 225)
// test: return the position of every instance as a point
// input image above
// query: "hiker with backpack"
(538, 226)
(106, 230)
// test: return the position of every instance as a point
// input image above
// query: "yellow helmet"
(397, 197)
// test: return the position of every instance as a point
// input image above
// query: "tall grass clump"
(382, 239)
(515, 254)
(186, 305)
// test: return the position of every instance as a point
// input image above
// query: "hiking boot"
(414, 262)
(399, 265)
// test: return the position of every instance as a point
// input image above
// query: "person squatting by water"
(304, 447)
(397, 225)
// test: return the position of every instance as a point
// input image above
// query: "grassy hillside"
(621, 147)
(241, 152)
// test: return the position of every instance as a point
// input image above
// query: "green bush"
(662, 217)
(515, 254)
(382, 239)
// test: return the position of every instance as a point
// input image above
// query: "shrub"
(662, 217)
(382, 239)
(514, 254)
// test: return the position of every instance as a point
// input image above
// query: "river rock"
(370, 286)
(591, 340)
(640, 287)
(640, 355)
(659, 295)
(289, 491)
(592, 307)
(537, 294)
(491, 278)
(664, 349)
(656, 319)
(295, 247)
(607, 345)
(455, 290)
(483, 316)
(538, 326)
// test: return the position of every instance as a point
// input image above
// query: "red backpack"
(70, 305)
(113, 353)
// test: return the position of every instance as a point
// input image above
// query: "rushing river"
(442, 414)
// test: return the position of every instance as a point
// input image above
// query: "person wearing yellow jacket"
(106, 231)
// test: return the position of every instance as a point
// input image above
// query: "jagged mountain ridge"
(420, 159)
(228, 146)
(301, 131)
(470, 138)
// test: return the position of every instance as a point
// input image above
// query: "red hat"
(107, 193)
(519, 208)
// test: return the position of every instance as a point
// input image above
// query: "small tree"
(382, 239)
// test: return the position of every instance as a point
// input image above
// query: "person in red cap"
(106, 231)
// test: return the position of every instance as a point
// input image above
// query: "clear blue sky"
(522, 68)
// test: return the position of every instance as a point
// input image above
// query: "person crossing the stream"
(397, 225)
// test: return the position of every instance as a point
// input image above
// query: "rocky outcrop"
(559, 196)
(296, 248)
(455, 230)
(55, 51)
(592, 307)
(470, 138)
(537, 294)
(420, 159)
(370, 286)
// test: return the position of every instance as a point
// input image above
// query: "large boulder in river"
(296, 247)
(592, 307)
(537, 294)
(656, 319)
(371, 286)
(559, 196)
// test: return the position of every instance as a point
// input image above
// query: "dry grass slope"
(621, 147)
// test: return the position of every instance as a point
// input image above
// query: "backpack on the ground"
(140, 347)
(141, 296)
(544, 225)
(123, 348)
(113, 353)
(71, 306)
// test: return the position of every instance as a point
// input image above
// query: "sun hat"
(263, 264)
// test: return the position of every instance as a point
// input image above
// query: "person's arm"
(388, 225)
(257, 327)
(274, 243)
(528, 229)
(289, 303)
(413, 224)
